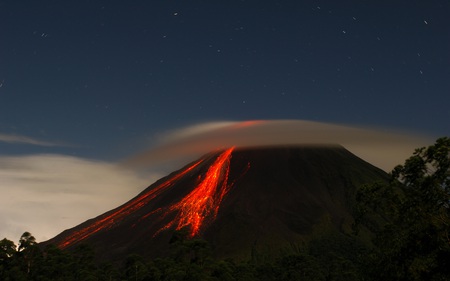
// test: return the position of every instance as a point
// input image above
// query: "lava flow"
(119, 214)
(202, 204)
(195, 209)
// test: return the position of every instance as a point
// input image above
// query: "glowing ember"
(121, 213)
(202, 204)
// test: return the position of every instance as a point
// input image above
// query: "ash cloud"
(384, 148)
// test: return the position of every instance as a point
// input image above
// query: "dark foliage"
(410, 217)
(325, 259)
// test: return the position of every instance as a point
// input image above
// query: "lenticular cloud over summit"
(381, 147)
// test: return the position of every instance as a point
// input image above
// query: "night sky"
(103, 80)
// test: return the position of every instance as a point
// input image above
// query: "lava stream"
(202, 204)
(119, 214)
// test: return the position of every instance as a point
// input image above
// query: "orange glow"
(198, 207)
(119, 214)
(202, 204)
(249, 123)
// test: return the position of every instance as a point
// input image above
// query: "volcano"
(237, 199)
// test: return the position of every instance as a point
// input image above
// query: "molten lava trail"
(119, 214)
(202, 204)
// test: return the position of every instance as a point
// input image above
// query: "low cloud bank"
(46, 194)
(380, 147)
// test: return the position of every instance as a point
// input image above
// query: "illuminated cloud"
(380, 147)
(46, 194)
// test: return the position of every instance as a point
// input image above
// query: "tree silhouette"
(411, 217)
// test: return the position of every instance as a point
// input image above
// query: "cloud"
(46, 194)
(381, 147)
(17, 139)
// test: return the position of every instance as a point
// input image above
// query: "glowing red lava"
(202, 204)
(119, 214)
(195, 209)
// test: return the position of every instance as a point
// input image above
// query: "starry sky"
(93, 82)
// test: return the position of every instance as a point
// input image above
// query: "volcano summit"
(236, 199)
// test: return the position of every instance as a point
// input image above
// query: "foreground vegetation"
(410, 217)
(329, 257)
(407, 219)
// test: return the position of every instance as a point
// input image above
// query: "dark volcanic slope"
(236, 199)
(285, 193)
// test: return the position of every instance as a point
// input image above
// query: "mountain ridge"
(264, 196)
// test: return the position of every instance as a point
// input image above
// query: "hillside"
(238, 200)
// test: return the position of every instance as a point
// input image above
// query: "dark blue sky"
(108, 77)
